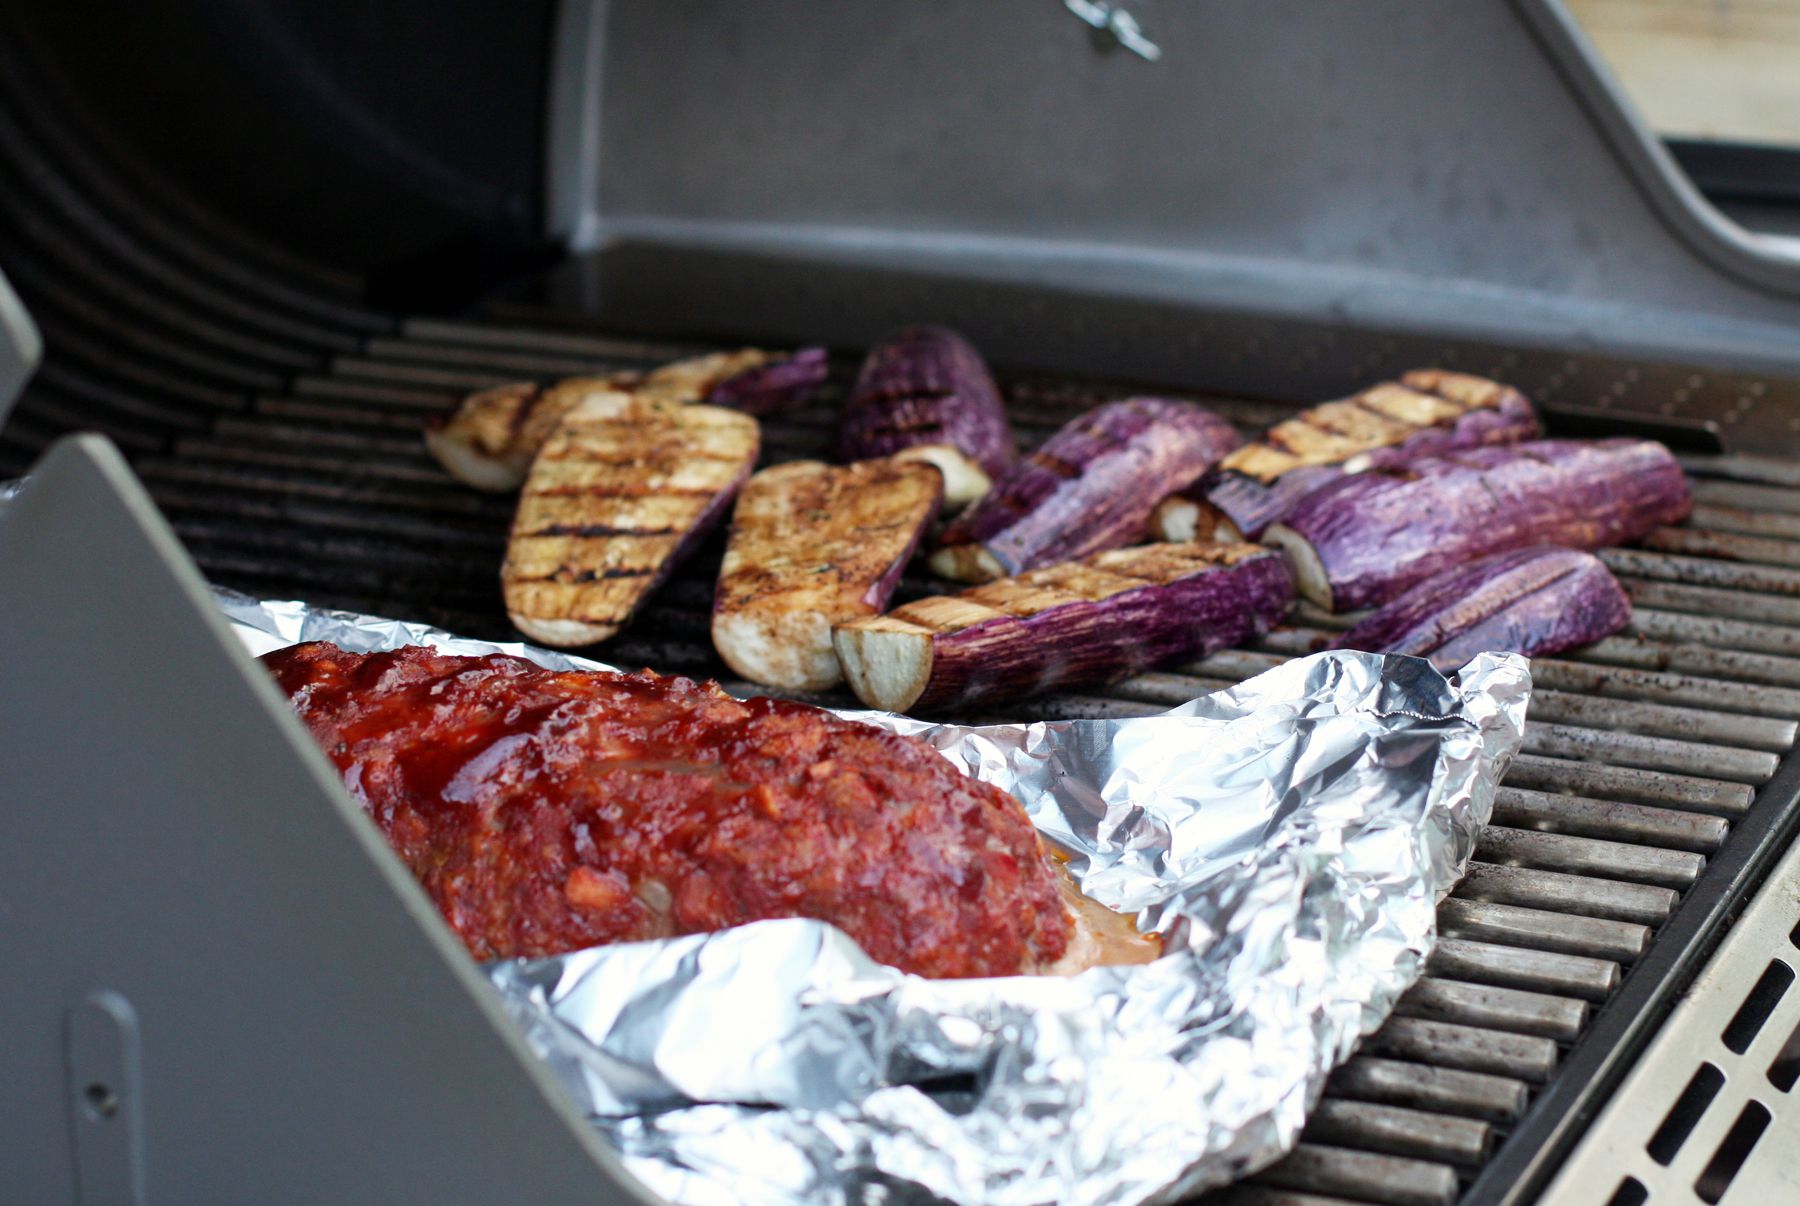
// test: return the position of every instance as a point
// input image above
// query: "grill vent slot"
(1685, 1114)
(1773, 984)
(1732, 1152)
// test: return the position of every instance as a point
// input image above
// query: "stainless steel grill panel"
(1643, 749)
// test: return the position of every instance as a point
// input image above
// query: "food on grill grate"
(1428, 413)
(1365, 538)
(623, 490)
(927, 385)
(490, 440)
(813, 545)
(1530, 601)
(1088, 488)
(774, 386)
(547, 811)
(1081, 623)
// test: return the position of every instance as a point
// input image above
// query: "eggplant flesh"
(1088, 487)
(814, 545)
(491, 439)
(1081, 623)
(1428, 412)
(1365, 538)
(623, 491)
(927, 385)
(1532, 601)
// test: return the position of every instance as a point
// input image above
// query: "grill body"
(271, 411)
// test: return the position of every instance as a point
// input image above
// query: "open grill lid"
(273, 418)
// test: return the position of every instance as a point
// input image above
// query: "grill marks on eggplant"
(813, 545)
(1090, 487)
(1531, 601)
(1429, 412)
(1081, 623)
(1365, 538)
(928, 385)
(619, 494)
(491, 439)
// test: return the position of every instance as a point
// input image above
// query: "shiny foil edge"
(1290, 837)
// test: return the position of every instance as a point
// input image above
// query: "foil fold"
(1289, 838)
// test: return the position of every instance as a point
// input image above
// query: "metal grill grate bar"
(1642, 752)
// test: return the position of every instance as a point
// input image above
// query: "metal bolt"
(1115, 24)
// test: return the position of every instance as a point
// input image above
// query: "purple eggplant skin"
(1077, 624)
(1227, 505)
(1089, 487)
(927, 385)
(1249, 506)
(781, 385)
(1365, 538)
(1532, 601)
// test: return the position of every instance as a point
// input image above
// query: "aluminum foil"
(1290, 839)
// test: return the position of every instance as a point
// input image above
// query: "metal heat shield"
(1289, 199)
(220, 984)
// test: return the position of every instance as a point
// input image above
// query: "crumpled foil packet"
(1290, 839)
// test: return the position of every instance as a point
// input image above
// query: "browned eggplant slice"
(813, 545)
(1082, 623)
(622, 491)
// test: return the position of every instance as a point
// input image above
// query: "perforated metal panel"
(1712, 1111)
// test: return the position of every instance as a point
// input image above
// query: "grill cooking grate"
(275, 420)
(1642, 752)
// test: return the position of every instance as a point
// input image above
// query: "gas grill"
(272, 413)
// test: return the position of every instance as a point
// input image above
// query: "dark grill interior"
(275, 420)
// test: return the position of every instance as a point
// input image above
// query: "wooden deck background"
(1727, 69)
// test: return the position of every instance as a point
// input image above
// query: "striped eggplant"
(1429, 412)
(1082, 623)
(489, 441)
(814, 545)
(622, 491)
(1531, 601)
(1088, 487)
(928, 385)
(774, 386)
(1365, 538)
(739, 379)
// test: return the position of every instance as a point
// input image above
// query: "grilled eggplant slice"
(1089, 487)
(623, 490)
(775, 385)
(1429, 412)
(927, 385)
(813, 545)
(491, 439)
(1083, 623)
(1530, 601)
(1365, 538)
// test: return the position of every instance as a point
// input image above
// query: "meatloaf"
(546, 811)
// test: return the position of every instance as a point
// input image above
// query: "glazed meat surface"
(547, 811)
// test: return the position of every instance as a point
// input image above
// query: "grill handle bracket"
(105, 1090)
